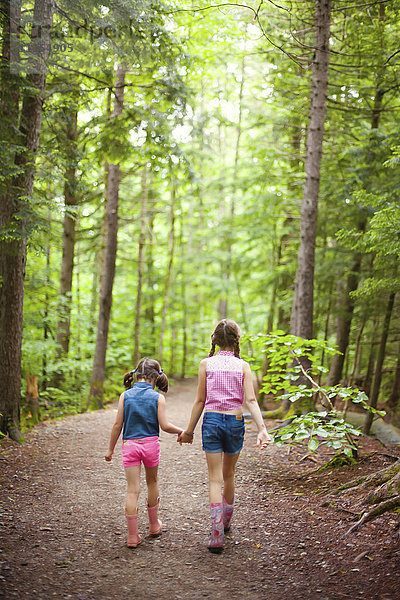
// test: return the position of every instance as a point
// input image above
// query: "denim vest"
(140, 411)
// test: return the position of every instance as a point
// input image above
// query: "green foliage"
(349, 394)
(55, 403)
(207, 92)
(281, 350)
(319, 428)
(327, 427)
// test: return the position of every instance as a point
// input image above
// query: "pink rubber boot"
(227, 513)
(133, 538)
(216, 544)
(155, 525)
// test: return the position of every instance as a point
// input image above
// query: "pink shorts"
(143, 450)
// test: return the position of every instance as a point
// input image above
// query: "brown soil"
(63, 530)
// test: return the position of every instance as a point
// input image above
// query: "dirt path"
(63, 531)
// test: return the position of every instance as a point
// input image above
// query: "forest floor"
(62, 527)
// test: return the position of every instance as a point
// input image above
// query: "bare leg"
(133, 480)
(228, 471)
(215, 477)
(155, 525)
(152, 485)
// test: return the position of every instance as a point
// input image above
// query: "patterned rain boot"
(216, 544)
(155, 525)
(133, 538)
(227, 513)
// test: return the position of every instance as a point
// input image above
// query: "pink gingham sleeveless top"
(224, 382)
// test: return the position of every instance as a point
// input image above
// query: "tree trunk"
(107, 280)
(302, 313)
(276, 261)
(100, 257)
(171, 368)
(78, 355)
(344, 319)
(46, 328)
(379, 363)
(303, 302)
(10, 83)
(168, 280)
(367, 382)
(326, 329)
(357, 352)
(223, 306)
(67, 264)
(32, 399)
(394, 397)
(15, 193)
(142, 239)
(184, 331)
(150, 310)
(184, 314)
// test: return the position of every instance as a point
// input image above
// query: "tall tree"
(16, 214)
(302, 313)
(170, 266)
(107, 280)
(140, 267)
(70, 215)
(346, 299)
(379, 363)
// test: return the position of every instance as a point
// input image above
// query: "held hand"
(178, 437)
(263, 439)
(185, 438)
(108, 456)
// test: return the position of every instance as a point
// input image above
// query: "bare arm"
(116, 429)
(198, 406)
(163, 419)
(263, 438)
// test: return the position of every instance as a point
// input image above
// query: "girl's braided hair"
(226, 335)
(148, 369)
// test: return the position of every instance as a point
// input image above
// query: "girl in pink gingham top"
(225, 380)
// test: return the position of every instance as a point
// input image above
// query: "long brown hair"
(226, 335)
(149, 369)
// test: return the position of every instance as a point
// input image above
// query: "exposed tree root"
(395, 458)
(385, 493)
(375, 512)
(375, 479)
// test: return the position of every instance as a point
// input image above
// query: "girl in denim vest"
(141, 411)
(225, 380)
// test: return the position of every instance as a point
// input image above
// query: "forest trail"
(63, 530)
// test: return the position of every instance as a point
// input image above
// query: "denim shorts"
(222, 433)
